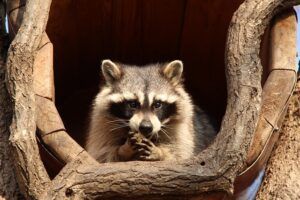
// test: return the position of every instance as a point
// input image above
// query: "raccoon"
(144, 113)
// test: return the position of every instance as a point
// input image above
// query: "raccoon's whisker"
(165, 127)
(168, 127)
(116, 124)
(156, 135)
(158, 138)
(119, 124)
(117, 121)
(116, 128)
(165, 132)
(150, 138)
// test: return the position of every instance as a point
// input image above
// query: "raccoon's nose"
(145, 127)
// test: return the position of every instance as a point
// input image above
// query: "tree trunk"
(8, 183)
(283, 169)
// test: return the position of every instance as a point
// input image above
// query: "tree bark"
(31, 174)
(283, 170)
(8, 184)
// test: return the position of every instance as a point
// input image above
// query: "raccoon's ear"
(173, 71)
(111, 71)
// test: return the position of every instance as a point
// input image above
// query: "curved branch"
(244, 71)
(8, 188)
(32, 176)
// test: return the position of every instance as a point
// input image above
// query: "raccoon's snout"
(146, 127)
(146, 123)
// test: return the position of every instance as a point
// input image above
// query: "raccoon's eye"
(133, 104)
(157, 104)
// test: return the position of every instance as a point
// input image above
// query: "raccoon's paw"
(126, 151)
(147, 151)
(135, 138)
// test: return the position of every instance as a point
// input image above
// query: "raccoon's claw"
(147, 142)
(147, 151)
(144, 149)
(134, 138)
(138, 146)
(132, 141)
(131, 134)
(154, 155)
(143, 152)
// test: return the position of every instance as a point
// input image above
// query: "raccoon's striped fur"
(150, 101)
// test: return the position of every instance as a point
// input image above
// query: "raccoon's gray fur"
(150, 100)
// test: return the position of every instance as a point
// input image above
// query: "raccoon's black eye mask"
(133, 104)
(125, 109)
(157, 104)
(164, 110)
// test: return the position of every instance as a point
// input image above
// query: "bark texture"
(8, 183)
(283, 169)
(31, 174)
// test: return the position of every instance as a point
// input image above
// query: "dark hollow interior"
(137, 32)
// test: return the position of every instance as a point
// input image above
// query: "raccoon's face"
(145, 99)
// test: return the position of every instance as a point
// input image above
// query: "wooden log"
(43, 74)
(281, 80)
(49, 124)
(31, 174)
(53, 133)
(8, 183)
(281, 179)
